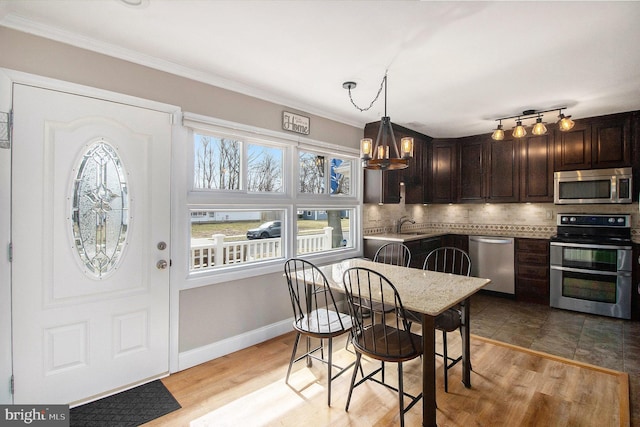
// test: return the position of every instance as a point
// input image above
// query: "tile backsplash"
(536, 220)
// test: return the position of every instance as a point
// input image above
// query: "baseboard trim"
(214, 350)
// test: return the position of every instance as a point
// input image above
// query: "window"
(321, 230)
(264, 168)
(340, 170)
(311, 173)
(216, 163)
(259, 197)
(225, 237)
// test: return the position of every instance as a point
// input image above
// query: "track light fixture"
(498, 134)
(564, 123)
(377, 155)
(539, 128)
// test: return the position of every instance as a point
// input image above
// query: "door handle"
(162, 264)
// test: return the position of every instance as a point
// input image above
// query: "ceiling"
(453, 67)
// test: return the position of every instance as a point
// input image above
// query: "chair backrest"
(394, 254)
(314, 306)
(380, 335)
(448, 260)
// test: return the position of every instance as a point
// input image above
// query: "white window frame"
(289, 200)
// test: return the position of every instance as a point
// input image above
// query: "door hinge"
(6, 125)
(10, 252)
(12, 385)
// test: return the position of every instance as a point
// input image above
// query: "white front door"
(90, 235)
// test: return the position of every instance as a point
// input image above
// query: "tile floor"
(602, 341)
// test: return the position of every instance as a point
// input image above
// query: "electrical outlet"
(549, 214)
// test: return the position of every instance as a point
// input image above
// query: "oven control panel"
(586, 220)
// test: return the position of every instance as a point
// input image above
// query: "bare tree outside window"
(311, 178)
(216, 163)
(264, 166)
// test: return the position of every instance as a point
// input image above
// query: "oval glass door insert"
(100, 216)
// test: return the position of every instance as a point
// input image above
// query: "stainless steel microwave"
(593, 186)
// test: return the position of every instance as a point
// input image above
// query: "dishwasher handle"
(497, 240)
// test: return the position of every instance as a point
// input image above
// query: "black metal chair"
(316, 315)
(388, 339)
(394, 254)
(455, 261)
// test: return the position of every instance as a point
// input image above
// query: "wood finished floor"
(247, 388)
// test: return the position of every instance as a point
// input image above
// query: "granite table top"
(422, 291)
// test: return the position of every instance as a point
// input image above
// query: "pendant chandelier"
(564, 124)
(383, 154)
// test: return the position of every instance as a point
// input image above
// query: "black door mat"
(128, 408)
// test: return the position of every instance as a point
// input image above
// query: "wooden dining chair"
(315, 315)
(387, 339)
(454, 261)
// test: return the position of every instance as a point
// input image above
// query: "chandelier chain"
(374, 99)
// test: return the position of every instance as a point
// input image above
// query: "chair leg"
(353, 378)
(329, 371)
(446, 362)
(401, 394)
(309, 360)
(293, 356)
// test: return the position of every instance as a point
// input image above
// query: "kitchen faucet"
(401, 221)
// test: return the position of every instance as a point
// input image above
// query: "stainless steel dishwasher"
(493, 258)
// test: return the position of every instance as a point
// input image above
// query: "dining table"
(429, 293)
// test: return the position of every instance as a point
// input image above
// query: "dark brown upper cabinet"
(472, 162)
(442, 176)
(504, 171)
(383, 187)
(488, 170)
(595, 143)
(536, 168)
(610, 141)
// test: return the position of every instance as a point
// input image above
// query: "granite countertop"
(403, 237)
(436, 230)
(423, 291)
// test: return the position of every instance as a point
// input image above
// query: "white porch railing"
(209, 253)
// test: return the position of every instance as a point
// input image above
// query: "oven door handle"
(589, 246)
(601, 273)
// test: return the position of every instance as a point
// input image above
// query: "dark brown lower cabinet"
(532, 270)
(420, 248)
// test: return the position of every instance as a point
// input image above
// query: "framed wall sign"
(295, 123)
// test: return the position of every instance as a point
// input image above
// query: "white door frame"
(7, 77)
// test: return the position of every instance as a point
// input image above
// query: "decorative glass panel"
(100, 209)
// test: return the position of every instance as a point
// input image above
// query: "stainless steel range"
(591, 259)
